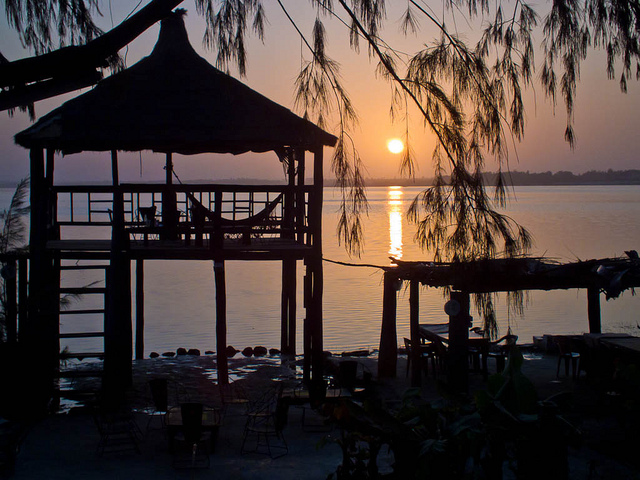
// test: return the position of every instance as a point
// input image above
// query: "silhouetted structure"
(172, 101)
(610, 276)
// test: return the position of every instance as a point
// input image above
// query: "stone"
(193, 351)
(181, 351)
(259, 351)
(154, 355)
(169, 354)
(247, 352)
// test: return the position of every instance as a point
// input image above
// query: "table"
(440, 332)
(628, 344)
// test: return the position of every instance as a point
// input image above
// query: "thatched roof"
(610, 275)
(172, 101)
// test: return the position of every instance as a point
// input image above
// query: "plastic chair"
(566, 353)
(426, 353)
(500, 350)
(192, 445)
(164, 394)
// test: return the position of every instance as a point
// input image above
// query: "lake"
(568, 223)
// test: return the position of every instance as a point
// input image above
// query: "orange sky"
(605, 120)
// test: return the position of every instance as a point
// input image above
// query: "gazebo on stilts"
(172, 102)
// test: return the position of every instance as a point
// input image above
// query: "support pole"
(288, 308)
(593, 310)
(388, 356)
(458, 355)
(414, 329)
(10, 276)
(118, 322)
(139, 309)
(316, 272)
(169, 202)
(221, 322)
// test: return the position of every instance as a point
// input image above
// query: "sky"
(606, 120)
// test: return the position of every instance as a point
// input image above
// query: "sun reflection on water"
(395, 221)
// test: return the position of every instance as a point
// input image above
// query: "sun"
(395, 145)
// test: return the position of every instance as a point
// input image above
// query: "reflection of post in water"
(395, 221)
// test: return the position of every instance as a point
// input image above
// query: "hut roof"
(172, 101)
(610, 275)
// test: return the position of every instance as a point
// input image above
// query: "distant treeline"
(592, 177)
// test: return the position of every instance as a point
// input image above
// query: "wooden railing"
(170, 210)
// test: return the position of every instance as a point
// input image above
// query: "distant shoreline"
(522, 179)
(514, 178)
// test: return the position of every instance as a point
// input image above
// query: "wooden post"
(10, 275)
(306, 328)
(221, 322)
(169, 202)
(316, 271)
(458, 354)
(23, 295)
(288, 307)
(388, 356)
(593, 310)
(118, 322)
(414, 329)
(298, 156)
(139, 309)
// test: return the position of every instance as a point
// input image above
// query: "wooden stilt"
(221, 322)
(139, 309)
(388, 356)
(314, 268)
(458, 354)
(414, 319)
(10, 275)
(118, 323)
(288, 308)
(306, 329)
(593, 310)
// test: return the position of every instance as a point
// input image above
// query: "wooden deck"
(232, 249)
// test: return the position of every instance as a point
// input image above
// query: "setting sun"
(395, 145)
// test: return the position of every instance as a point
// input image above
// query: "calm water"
(568, 223)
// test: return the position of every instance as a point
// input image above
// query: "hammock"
(254, 220)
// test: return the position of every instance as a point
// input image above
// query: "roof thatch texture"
(610, 275)
(172, 101)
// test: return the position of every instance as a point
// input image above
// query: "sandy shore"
(64, 446)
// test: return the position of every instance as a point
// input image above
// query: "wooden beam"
(388, 356)
(414, 329)
(593, 310)
(221, 322)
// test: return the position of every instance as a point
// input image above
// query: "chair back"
(347, 373)
(160, 393)
(192, 421)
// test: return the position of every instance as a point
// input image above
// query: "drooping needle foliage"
(468, 96)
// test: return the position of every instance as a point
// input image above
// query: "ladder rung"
(81, 355)
(82, 335)
(83, 267)
(83, 290)
(82, 312)
(80, 373)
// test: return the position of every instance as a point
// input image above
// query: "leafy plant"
(12, 238)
